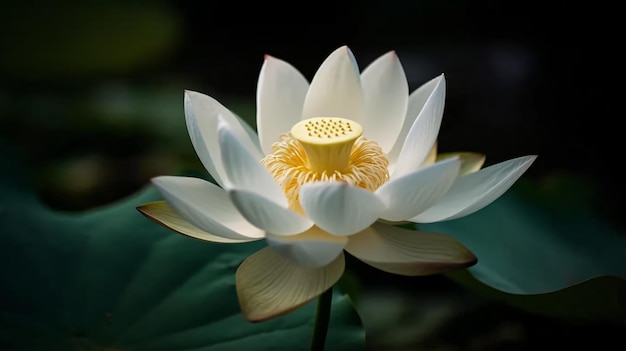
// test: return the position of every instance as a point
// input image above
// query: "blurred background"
(92, 96)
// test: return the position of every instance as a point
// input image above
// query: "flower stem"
(322, 318)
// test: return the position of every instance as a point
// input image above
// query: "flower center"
(327, 142)
(326, 149)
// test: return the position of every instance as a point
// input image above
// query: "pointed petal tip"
(189, 93)
(191, 97)
(335, 89)
(440, 79)
(527, 160)
(146, 210)
(466, 258)
(473, 261)
(391, 53)
(344, 49)
(141, 209)
(268, 58)
(530, 159)
(161, 213)
(476, 190)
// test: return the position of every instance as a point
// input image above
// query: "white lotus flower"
(336, 162)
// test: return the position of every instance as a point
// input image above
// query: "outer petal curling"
(268, 215)
(201, 114)
(162, 213)
(270, 285)
(339, 208)
(413, 193)
(281, 90)
(474, 191)
(407, 252)
(423, 132)
(386, 94)
(415, 105)
(313, 248)
(335, 90)
(244, 171)
(207, 148)
(206, 206)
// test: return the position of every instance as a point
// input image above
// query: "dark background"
(92, 93)
(525, 78)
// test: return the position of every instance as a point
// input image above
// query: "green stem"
(322, 318)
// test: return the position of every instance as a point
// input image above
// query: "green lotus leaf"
(545, 246)
(110, 279)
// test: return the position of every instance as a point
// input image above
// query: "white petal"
(476, 190)
(254, 145)
(423, 132)
(268, 215)
(416, 103)
(386, 94)
(335, 90)
(244, 171)
(339, 208)
(415, 192)
(201, 115)
(162, 213)
(313, 248)
(408, 252)
(207, 148)
(270, 285)
(280, 96)
(206, 206)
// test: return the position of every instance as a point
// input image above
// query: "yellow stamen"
(326, 149)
